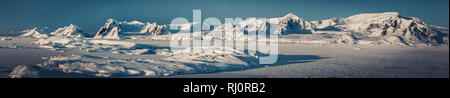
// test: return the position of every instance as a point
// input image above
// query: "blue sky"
(16, 15)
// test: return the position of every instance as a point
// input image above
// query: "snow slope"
(120, 30)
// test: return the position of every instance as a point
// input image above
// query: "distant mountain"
(117, 30)
(110, 30)
(34, 33)
(372, 28)
(68, 31)
(133, 26)
(154, 29)
(387, 25)
(292, 24)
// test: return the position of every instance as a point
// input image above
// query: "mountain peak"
(135, 22)
(390, 13)
(69, 31)
(154, 29)
(110, 20)
(34, 33)
(291, 16)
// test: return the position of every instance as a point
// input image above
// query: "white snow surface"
(126, 30)
(142, 58)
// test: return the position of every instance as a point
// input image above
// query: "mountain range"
(389, 27)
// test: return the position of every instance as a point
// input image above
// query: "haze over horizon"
(90, 15)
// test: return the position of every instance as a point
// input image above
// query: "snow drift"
(171, 63)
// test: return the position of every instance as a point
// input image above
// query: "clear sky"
(16, 15)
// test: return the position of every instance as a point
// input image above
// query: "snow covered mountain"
(389, 26)
(68, 31)
(34, 33)
(118, 30)
(154, 29)
(110, 30)
(292, 24)
(133, 26)
(130, 57)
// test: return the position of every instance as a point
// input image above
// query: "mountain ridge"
(386, 27)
